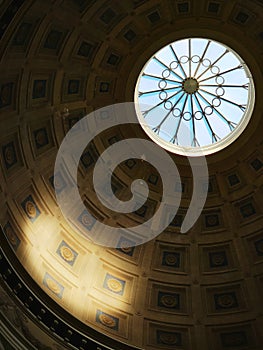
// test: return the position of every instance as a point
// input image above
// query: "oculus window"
(194, 96)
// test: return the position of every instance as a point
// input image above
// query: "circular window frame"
(213, 147)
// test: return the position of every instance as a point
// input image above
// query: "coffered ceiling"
(63, 59)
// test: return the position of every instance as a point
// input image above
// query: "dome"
(66, 67)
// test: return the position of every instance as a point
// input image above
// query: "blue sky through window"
(202, 117)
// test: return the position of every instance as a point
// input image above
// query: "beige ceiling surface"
(61, 60)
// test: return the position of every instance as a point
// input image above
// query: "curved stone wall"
(60, 60)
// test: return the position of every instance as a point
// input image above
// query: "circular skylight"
(194, 96)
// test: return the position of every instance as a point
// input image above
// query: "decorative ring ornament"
(205, 85)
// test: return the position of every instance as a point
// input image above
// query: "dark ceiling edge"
(9, 14)
(44, 311)
(12, 337)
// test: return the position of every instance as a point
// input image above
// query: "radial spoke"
(164, 65)
(194, 141)
(167, 115)
(242, 106)
(158, 127)
(160, 103)
(179, 99)
(212, 64)
(213, 134)
(190, 56)
(202, 57)
(245, 86)
(175, 137)
(141, 93)
(161, 78)
(225, 72)
(228, 122)
(178, 61)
